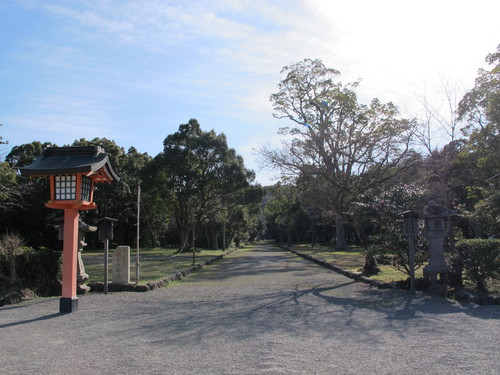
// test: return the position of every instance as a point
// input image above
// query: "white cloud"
(395, 45)
(221, 59)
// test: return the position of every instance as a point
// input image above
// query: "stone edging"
(178, 275)
(460, 295)
(358, 276)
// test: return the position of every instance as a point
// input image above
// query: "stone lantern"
(72, 171)
(435, 217)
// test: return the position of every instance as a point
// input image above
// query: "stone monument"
(121, 265)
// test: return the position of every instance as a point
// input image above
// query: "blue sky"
(133, 71)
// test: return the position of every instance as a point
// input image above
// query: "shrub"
(41, 266)
(480, 259)
(11, 246)
(391, 247)
(38, 269)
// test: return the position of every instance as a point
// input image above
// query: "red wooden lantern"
(72, 171)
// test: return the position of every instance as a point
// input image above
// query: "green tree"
(241, 215)
(23, 155)
(481, 105)
(201, 174)
(480, 156)
(9, 192)
(284, 214)
(26, 212)
(348, 146)
(119, 199)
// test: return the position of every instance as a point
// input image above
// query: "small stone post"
(121, 265)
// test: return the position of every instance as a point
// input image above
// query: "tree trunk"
(184, 237)
(312, 232)
(214, 237)
(371, 267)
(193, 237)
(12, 270)
(340, 243)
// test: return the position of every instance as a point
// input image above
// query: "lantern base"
(68, 305)
(71, 204)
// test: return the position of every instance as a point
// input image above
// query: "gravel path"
(263, 311)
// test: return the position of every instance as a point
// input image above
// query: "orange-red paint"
(52, 187)
(71, 215)
(70, 250)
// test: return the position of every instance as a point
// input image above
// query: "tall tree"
(283, 212)
(118, 200)
(201, 173)
(349, 147)
(29, 216)
(480, 157)
(9, 192)
(481, 105)
(438, 119)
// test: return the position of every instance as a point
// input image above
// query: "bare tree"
(438, 119)
(346, 146)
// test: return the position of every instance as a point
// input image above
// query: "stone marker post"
(121, 265)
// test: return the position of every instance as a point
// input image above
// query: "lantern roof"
(87, 160)
(433, 210)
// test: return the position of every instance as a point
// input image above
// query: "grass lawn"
(353, 259)
(155, 263)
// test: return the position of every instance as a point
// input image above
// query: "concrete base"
(438, 289)
(68, 305)
(434, 273)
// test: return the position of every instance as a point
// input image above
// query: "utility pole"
(137, 276)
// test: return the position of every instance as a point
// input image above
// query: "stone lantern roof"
(88, 160)
(433, 210)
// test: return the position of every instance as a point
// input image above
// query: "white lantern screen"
(86, 184)
(65, 187)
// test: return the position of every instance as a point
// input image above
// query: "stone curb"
(462, 296)
(357, 276)
(175, 276)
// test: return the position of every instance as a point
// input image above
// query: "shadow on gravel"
(322, 310)
(26, 304)
(47, 317)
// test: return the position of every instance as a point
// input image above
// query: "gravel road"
(263, 311)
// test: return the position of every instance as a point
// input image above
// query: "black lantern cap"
(71, 160)
(105, 225)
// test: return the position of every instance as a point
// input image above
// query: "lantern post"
(105, 234)
(73, 172)
(411, 230)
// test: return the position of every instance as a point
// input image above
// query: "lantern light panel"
(86, 186)
(65, 187)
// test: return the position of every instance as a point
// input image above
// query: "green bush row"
(38, 268)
